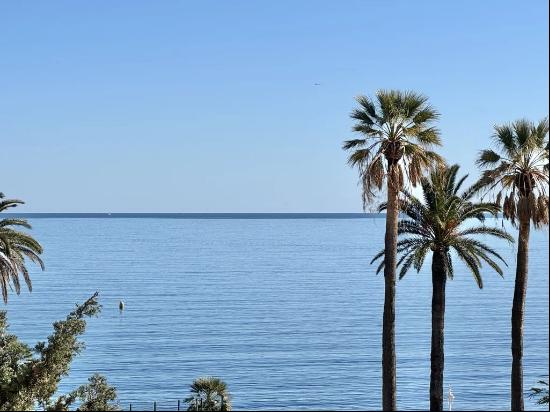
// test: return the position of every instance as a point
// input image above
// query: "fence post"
(130, 407)
(178, 405)
(155, 405)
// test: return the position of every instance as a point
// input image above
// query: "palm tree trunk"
(439, 280)
(388, 327)
(518, 307)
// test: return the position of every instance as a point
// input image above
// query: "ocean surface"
(286, 309)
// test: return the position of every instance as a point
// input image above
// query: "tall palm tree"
(15, 247)
(518, 172)
(440, 225)
(397, 132)
(209, 394)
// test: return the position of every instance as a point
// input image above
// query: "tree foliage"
(518, 170)
(29, 377)
(397, 133)
(208, 394)
(440, 221)
(96, 395)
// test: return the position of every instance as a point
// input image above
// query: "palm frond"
(488, 158)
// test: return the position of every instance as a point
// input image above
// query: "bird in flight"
(316, 84)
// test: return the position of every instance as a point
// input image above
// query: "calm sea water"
(286, 311)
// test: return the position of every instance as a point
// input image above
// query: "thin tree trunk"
(388, 327)
(439, 280)
(518, 308)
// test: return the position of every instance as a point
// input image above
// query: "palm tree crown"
(209, 394)
(519, 170)
(438, 224)
(397, 132)
(15, 247)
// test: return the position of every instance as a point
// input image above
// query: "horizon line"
(190, 215)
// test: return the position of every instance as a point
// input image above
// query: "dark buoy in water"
(121, 305)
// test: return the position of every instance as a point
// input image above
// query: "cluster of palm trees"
(395, 152)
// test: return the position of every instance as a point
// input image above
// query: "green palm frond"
(409, 227)
(9, 203)
(15, 222)
(471, 261)
(348, 144)
(485, 230)
(405, 263)
(488, 158)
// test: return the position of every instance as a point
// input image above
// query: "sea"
(285, 308)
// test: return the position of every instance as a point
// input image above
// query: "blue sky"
(176, 106)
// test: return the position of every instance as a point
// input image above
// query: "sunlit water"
(287, 311)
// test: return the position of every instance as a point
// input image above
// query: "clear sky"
(180, 106)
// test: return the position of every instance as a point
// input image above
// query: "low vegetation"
(208, 394)
(29, 377)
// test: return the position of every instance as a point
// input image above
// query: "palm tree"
(438, 225)
(15, 247)
(209, 394)
(518, 173)
(396, 132)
